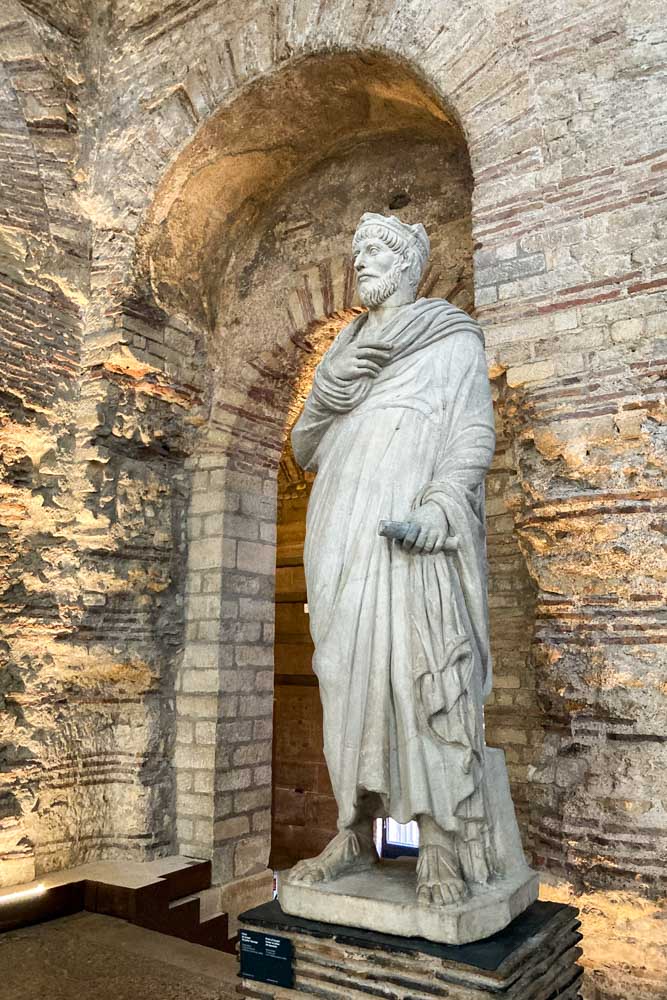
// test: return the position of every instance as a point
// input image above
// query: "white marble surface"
(399, 427)
(384, 899)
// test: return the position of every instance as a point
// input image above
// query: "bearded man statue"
(399, 429)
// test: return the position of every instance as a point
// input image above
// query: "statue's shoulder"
(458, 323)
(444, 306)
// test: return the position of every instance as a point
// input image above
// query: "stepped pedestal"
(534, 958)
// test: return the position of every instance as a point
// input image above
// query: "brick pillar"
(225, 688)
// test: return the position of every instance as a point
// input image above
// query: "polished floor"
(92, 957)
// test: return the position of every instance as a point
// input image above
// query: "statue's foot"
(348, 852)
(439, 881)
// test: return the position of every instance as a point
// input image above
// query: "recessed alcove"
(249, 236)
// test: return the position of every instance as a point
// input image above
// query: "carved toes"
(444, 893)
(438, 881)
(307, 872)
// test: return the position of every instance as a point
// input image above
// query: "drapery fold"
(401, 639)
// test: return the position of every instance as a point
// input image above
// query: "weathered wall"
(184, 148)
(93, 493)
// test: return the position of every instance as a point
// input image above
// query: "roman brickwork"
(178, 185)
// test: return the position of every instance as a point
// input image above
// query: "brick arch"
(482, 82)
(223, 742)
(480, 85)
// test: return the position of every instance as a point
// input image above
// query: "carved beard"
(377, 290)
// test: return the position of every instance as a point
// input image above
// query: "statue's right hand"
(361, 360)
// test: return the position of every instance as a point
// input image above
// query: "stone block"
(203, 830)
(268, 532)
(486, 295)
(232, 779)
(184, 780)
(539, 371)
(204, 501)
(264, 680)
(261, 821)
(208, 631)
(238, 731)
(256, 557)
(184, 732)
(510, 270)
(256, 656)
(196, 706)
(236, 680)
(256, 705)
(262, 729)
(204, 553)
(256, 610)
(241, 526)
(261, 775)
(213, 525)
(627, 330)
(184, 829)
(203, 606)
(203, 782)
(205, 732)
(258, 506)
(237, 482)
(251, 855)
(203, 681)
(240, 632)
(254, 753)
(254, 798)
(194, 757)
(228, 553)
(190, 804)
(230, 829)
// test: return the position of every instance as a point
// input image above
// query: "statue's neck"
(379, 316)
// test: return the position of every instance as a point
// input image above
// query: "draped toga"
(401, 639)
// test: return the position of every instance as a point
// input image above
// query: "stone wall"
(155, 356)
(93, 492)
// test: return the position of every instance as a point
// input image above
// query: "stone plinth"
(534, 958)
(384, 899)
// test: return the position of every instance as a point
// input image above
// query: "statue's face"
(379, 270)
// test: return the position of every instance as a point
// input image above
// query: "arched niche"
(274, 130)
(249, 238)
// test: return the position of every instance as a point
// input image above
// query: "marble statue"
(399, 429)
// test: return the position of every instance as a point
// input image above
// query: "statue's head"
(389, 257)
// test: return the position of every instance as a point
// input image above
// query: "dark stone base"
(534, 958)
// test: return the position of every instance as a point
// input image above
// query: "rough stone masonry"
(166, 289)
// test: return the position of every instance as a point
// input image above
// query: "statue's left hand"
(428, 531)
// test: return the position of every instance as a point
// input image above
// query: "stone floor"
(92, 957)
